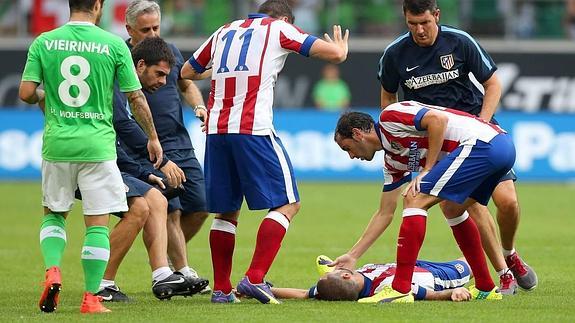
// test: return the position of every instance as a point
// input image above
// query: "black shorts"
(194, 198)
(134, 186)
(509, 176)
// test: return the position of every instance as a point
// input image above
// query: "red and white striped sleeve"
(201, 60)
(292, 38)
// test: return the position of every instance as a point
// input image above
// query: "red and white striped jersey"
(246, 57)
(382, 275)
(377, 276)
(405, 143)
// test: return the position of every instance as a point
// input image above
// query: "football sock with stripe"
(409, 241)
(467, 237)
(270, 235)
(95, 255)
(53, 239)
(222, 244)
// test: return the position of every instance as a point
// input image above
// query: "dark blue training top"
(437, 74)
(167, 111)
(128, 165)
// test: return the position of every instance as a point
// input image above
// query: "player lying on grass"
(431, 281)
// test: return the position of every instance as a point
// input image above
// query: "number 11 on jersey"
(228, 38)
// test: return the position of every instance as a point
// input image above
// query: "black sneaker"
(178, 285)
(113, 294)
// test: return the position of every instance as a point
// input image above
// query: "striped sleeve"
(393, 179)
(201, 60)
(294, 39)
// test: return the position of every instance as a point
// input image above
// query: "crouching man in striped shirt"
(460, 159)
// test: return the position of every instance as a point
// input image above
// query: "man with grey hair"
(187, 212)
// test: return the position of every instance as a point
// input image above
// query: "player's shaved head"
(418, 7)
(83, 5)
(153, 50)
(334, 287)
(350, 120)
(277, 9)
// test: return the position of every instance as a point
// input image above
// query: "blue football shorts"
(471, 171)
(256, 168)
(447, 275)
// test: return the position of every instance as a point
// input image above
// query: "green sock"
(95, 255)
(53, 239)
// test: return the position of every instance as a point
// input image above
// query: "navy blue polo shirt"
(438, 74)
(127, 130)
(167, 109)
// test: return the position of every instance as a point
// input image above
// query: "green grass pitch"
(331, 219)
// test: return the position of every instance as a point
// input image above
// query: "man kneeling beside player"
(431, 281)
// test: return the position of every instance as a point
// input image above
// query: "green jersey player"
(78, 64)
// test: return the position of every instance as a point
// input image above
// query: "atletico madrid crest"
(447, 61)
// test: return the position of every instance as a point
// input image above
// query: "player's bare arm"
(491, 97)
(387, 98)
(31, 94)
(377, 225)
(435, 123)
(188, 72)
(28, 93)
(331, 50)
(294, 293)
(143, 116)
(460, 294)
(193, 97)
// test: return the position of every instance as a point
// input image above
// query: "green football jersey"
(78, 64)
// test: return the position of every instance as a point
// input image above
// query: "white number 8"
(77, 80)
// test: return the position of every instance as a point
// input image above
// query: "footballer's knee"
(419, 201)
(508, 206)
(138, 212)
(156, 200)
(289, 210)
(505, 198)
